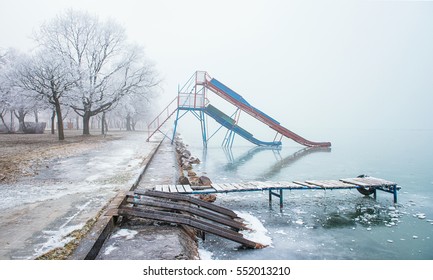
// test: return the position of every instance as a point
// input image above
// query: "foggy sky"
(366, 64)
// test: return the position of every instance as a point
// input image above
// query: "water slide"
(237, 100)
(229, 123)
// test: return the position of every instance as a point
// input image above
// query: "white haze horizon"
(308, 64)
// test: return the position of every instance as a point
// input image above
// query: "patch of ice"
(369, 228)
(415, 237)
(258, 232)
(420, 216)
(109, 249)
(56, 239)
(126, 233)
(204, 254)
(299, 222)
(390, 241)
(280, 232)
(299, 211)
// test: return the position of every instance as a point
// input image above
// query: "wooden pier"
(365, 185)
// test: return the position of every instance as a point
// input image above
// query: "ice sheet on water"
(420, 216)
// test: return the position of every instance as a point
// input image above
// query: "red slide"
(237, 100)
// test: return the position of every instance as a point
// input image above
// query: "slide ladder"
(156, 124)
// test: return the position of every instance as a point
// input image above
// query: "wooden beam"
(198, 202)
(193, 222)
(191, 210)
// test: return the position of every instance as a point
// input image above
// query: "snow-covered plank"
(172, 188)
(218, 187)
(188, 188)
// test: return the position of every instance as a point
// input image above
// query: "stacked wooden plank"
(174, 207)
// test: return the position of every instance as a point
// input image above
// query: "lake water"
(332, 224)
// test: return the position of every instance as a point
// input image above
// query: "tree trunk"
(86, 123)
(78, 121)
(4, 123)
(36, 116)
(53, 116)
(133, 123)
(21, 116)
(128, 123)
(59, 121)
(12, 127)
(103, 129)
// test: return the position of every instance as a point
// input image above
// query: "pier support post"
(279, 195)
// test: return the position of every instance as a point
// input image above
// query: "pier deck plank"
(368, 182)
(188, 188)
(331, 184)
(305, 184)
(217, 187)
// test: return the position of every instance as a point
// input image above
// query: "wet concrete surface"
(163, 168)
(150, 240)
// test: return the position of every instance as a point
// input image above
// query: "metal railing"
(159, 121)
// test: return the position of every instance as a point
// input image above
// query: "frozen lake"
(338, 224)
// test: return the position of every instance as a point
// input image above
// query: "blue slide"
(239, 98)
(236, 99)
(229, 123)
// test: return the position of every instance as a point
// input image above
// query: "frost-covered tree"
(46, 76)
(134, 109)
(108, 67)
(4, 104)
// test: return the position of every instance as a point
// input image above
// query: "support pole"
(279, 195)
(394, 189)
(175, 126)
(281, 198)
(203, 128)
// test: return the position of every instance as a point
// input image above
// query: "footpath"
(39, 213)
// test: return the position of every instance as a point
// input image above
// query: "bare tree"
(133, 109)
(4, 91)
(46, 76)
(108, 67)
